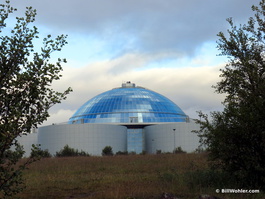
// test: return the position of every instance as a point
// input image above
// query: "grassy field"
(126, 177)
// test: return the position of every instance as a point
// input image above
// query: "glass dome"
(128, 104)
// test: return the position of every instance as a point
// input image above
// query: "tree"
(236, 136)
(25, 90)
(107, 151)
(37, 152)
(179, 150)
(70, 152)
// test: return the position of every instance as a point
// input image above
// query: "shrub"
(209, 178)
(122, 153)
(36, 151)
(179, 150)
(107, 151)
(235, 136)
(200, 150)
(158, 151)
(69, 152)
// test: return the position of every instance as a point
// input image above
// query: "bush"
(69, 152)
(158, 152)
(107, 151)
(122, 153)
(179, 150)
(36, 151)
(209, 178)
(235, 136)
(200, 150)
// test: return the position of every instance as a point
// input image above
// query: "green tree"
(70, 152)
(107, 151)
(236, 136)
(179, 150)
(26, 95)
(37, 152)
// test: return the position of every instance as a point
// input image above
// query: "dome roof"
(128, 104)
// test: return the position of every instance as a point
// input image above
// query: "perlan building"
(129, 118)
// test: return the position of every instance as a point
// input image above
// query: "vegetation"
(179, 150)
(107, 151)
(37, 152)
(122, 153)
(69, 152)
(133, 176)
(235, 137)
(26, 95)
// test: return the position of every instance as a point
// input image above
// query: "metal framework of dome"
(128, 104)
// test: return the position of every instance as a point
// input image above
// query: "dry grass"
(133, 176)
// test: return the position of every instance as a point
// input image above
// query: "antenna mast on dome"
(128, 84)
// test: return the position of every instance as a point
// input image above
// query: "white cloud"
(189, 87)
(58, 116)
(166, 46)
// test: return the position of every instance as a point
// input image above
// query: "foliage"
(200, 149)
(122, 153)
(208, 178)
(107, 151)
(11, 177)
(25, 90)
(143, 152)
(37, 152)
(69, 152)
(179, 150)
(158, 151)
(236, 136)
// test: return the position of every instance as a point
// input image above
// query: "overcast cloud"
(168, 46)
(149, 25)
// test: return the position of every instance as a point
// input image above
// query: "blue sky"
(168, 46)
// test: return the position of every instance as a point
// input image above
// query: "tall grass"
(133, 176)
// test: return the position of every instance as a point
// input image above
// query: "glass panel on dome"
(133, 119)
(129, 104)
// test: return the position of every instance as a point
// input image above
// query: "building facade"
(128, 118)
